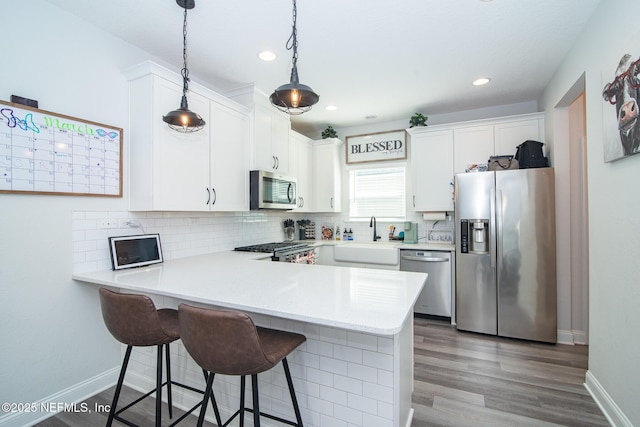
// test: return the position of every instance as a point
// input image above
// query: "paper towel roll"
(434, 216)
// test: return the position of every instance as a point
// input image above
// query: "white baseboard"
(74, 394)
(572, 337)
(614, 414)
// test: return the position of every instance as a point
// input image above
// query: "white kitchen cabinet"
(229, 161)
(440, 151)
(271, 127)
(327, 175)
(271, 139)
(300, 167)
(472, 145)
(432, 169)
(510, 134)
(173, 171)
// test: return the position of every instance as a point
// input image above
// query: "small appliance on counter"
(410, 232)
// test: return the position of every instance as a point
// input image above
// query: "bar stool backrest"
(132, 319)
(223, 342)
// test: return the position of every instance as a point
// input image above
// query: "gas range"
(284, 251)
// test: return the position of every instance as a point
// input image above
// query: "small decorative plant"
(329, 132)
(418, 119)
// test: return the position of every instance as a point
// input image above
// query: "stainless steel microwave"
(271, 191)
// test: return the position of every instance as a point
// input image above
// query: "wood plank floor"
(467, 379)
(461, 379)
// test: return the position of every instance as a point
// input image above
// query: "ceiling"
(382, 58)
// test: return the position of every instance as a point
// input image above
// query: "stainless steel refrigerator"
(506, 253)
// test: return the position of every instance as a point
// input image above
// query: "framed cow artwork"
(621, 115)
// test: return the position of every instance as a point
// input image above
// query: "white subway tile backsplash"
(361, 372)
(364, 404)
(385, 378)
(363, 341)
(378, 392)
(375, 421)
(349, 354)
(333, 365)
(320, 348)
(333, 395)
(347, 414)
(385, 345)
(378, 360)
(350, 385)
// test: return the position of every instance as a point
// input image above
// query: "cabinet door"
(229, 159)
(180, 160)
(280, 129)
(472, 145)
(432, 166)
(264, 158)
(271, 139)
(327, 178)
(510, 135)
(305, 186)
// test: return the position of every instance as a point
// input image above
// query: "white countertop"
(366, 300)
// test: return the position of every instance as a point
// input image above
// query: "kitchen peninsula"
(357, 364)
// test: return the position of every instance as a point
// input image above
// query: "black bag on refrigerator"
(529, 155)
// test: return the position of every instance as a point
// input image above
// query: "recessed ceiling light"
(481, 81)
(371, 117)
(266, 55)
(331, 108)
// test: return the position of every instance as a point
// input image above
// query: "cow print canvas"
(621, 116)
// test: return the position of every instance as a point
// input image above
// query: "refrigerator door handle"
(499, 234)
(492, 226)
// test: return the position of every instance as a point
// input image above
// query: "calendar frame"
(63, 123)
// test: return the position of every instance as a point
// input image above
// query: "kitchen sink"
(368, 253)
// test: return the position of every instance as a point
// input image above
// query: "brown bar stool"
(229, 343)
(133, 320)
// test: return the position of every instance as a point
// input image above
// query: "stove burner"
(271, 247)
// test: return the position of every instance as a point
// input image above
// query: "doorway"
(570, 159)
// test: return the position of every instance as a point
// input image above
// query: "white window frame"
(379, 212)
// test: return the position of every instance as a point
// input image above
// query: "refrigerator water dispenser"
(474, 236)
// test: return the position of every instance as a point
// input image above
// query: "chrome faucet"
(372, 223)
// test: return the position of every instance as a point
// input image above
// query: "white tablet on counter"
(135, 251)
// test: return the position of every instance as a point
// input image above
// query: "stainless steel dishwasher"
(435, 298)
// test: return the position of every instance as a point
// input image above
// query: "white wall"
(613, 205)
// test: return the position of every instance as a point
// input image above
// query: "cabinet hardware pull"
(208, 196)
(277, 162)
(274, 162)
(215, 196)
(332, 203)
(302, 205)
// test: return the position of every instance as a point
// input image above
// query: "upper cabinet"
(432, 169)
(440, 151)
(206, 170)
(300, 167)
(271, 129)
(327, 173)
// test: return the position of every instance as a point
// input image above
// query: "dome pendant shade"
(294, 98)
(184, 120)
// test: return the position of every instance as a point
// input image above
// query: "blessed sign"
(376, 147)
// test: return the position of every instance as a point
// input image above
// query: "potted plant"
(329, 132)
(418, 119)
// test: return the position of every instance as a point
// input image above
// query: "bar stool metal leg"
(256, 405)
(292, 391)
(169, 400)
(242, 384)
(205, 400)
(116, 395)
(159, 388)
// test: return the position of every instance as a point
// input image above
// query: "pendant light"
(184, 120)
(294, 98)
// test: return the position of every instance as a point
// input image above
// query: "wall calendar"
(48, 153)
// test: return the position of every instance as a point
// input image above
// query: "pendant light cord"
(185, 70)
(292, 43)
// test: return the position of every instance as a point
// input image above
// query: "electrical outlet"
(109, 223)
